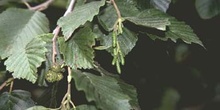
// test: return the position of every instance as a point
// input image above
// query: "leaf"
(85, 107)
(149, 21)
(131, 92)
(127, 41)
(4, 2)
(207, 8)
(176, 29)
(104, 90)
(39, 108)
(16, 100)
(79, 16)
(143, 4)
(48, 63)
(24, 62)
(162, 5)
(169, 100)
(127, 7)
(108, 16)
(18, 27)
(78, 51)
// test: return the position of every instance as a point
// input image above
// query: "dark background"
(151, 66)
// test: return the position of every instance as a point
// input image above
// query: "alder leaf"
(207, 8)
(105, 91)
(78, 17)
(78, 51)
(39, 108)
(127, 40)
(169, 100)
(108, 16)
(162, 5)
(5, 2)
(85, 107)
(48, 63)
(131, 92)
(24, 63)
(16, 100)
(149, 21)
(176, 29)
(18, 27)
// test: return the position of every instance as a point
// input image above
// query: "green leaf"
(79, 16)
(143, 4)
(5, 2)
(85, 107)
(25, 61)
(176, 29)
(127, 7)
(127, 41)
(131, 92)
(48, 63)
(162, 5)
(39, 108)
(207, 8)
(78, 51)
(108, 16)
(169, 100)
(16, 100)
(49, 43)
(149, 21)
(18, 27)
(104, 90)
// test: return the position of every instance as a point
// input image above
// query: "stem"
(8, 81)
(11, 86)
(69, 87)
(70, 7)
(39, 7)
(57, 30)
(116, 8)
(67, 97)
(3, 85)
(54, 40)
(27, 4)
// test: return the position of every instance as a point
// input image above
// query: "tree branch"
(116, 8)
(8, 81)
(39, 7)
(57, 30)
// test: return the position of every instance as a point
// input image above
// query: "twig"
(6, 83)
(116, 8)
(27, 4)
(11, 86)
(69, 86)
(3, 85)
(70, 7)
(57, 30)
(67, 97)
(39, 7)
(55, 33)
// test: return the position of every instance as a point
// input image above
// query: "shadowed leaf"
(16, 100)
(107, 92)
